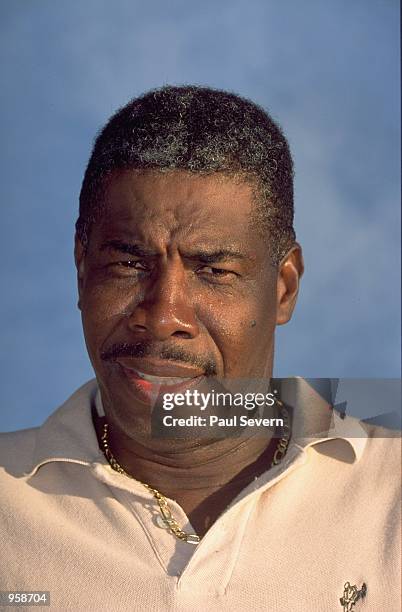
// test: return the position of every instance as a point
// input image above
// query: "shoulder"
(16, 450)
(365, 464)
(377, 474)
(381, 439)
(382, 452)
(66, 433)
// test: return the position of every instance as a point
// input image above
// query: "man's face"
(177, 285)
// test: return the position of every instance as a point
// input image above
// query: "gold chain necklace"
(168, 521)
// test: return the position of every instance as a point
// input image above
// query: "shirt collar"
(314, 419)
(69, 434)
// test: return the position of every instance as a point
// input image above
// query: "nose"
(166, 309)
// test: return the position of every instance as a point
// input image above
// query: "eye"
(215, 272)
(131, 263)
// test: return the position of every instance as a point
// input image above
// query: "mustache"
(143, 348)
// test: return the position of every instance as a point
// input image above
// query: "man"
(187, 261)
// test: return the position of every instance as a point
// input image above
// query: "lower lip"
(148, 391)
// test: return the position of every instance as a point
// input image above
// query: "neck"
(202, 476)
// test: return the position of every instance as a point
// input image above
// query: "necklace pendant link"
(165, 512)
(191, 538)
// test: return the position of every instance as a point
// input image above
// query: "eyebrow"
(216, 256)
(203, 255)
(131, 248)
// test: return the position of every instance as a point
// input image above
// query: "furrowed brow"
(131, 248)
(202, 255)
(216, 256)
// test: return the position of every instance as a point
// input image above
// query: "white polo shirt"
(328, 515)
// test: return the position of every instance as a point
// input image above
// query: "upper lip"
(157, 367)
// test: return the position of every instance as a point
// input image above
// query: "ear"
(290, 271)
(79, 256)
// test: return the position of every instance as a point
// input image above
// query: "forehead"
(178, 205)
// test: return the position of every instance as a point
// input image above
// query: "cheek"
(243, 331)
(103, 308)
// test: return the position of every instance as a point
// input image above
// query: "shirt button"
(160, 522)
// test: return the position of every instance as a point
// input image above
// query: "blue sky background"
(327, 70)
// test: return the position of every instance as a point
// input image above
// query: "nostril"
(182, 334)
(140, 328)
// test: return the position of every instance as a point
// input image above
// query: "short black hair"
(200, 130)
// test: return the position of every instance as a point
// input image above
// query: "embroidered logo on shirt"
(351, 594)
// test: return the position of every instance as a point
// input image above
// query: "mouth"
(162, 380)
(149, 378)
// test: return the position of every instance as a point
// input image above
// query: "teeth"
(162, 380)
